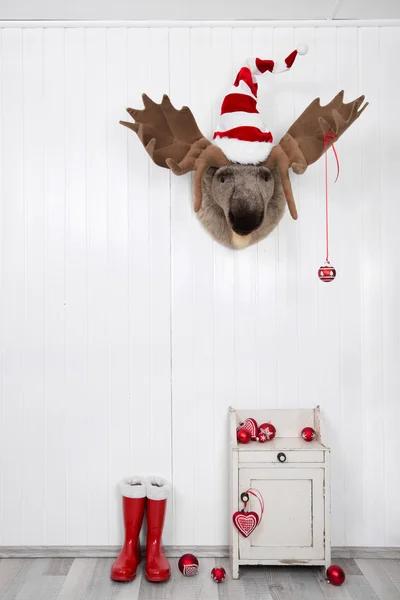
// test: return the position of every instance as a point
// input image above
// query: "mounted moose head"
(241, 178)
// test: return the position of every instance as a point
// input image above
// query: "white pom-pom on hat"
(302, 49)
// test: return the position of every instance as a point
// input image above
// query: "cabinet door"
(293, 524)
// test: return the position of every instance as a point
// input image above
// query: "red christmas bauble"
(335, 575)
(243, 435)
(251, 425)
(262, 438)
(269, 431)
(188, 565)
(308, 434)
(218, 574)
(327, 273)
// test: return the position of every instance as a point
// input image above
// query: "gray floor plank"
(9, 569)
(280, 583)
(252, 583)
(59, 566)
(200, 587)
(41, 587)
(101, 587)
(359, 588)
(377, 577)
(348, 565)
(392, 570)
(29, 570)
(78, 579)
(305, 584)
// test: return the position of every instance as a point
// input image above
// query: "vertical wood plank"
(183, 317)
(287, 286)
(118, 280)
(97, 401)
(372, 344)
(55, 383)
(203, 315)
(349, 253)
(76, 289)
(13, 301)
(389, 85)
(34, 421)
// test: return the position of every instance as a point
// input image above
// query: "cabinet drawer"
(292, 456)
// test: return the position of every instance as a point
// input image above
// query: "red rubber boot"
(157, 566)
(133, 490)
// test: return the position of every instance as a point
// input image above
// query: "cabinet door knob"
(281, 457)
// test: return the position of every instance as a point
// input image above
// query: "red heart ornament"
(245, 522)
(252, 427)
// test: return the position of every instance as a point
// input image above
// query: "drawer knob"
(281, 457)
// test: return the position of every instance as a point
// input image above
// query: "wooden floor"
(88, 579)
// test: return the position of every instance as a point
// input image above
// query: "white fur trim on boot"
(133, 487)
(158, 488)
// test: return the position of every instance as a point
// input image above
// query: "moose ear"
(212, 170)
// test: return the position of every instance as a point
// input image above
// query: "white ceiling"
(201, 9)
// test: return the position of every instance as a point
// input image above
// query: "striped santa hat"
(241, 133)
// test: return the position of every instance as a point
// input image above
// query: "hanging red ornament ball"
(243, 435)
(188, 565)
(218, 574)
(335, 575)
(268, 429)
(262, 438)
(251, 425)
(308, 434)
(327, 273)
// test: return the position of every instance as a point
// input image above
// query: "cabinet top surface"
(282, 443)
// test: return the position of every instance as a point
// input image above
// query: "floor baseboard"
(173, 552)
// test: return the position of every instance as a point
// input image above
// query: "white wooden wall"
(126, 332)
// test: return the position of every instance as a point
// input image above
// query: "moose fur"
(246, 192)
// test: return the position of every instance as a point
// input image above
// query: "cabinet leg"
(235, 570)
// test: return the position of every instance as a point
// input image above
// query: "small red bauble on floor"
(268, 429)
(188, 565)
(251, 425)
(218, 574)
(327, 273)
(308, 434)
(243, 435)
(335, 575)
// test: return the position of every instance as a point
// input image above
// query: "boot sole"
(123, 579)
(157, 579)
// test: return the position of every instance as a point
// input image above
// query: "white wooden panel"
(55, 382)
(126, 332)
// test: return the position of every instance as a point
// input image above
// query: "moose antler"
(305, 141)
(173, 140)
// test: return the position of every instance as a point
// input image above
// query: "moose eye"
(266, 177)
(222, 179)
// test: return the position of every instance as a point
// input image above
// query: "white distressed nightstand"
(295, 528)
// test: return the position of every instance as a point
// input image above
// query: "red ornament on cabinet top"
(335, 575)
(327, 273)
(188, 565)
(218, 574)
(308, 434)
(251, 425)
(262, 438)
(268, 429)
(243, 435)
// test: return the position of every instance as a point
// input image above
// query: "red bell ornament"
(218, 574)
(335, 575)
(188, 565)
(243, 435)
(308, 434)
(269, 430)
(327, 273)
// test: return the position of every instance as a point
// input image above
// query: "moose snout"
(244, 222)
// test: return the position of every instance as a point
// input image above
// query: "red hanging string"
(328, 139)
(259, 497)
